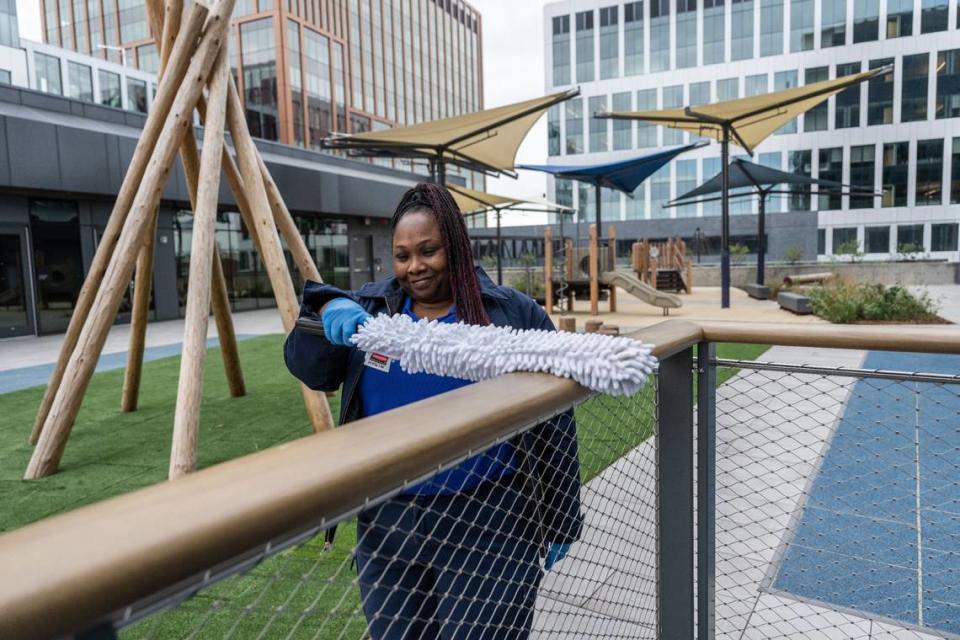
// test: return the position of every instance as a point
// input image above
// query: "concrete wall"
(903, 273)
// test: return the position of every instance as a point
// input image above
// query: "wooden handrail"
(64, 573)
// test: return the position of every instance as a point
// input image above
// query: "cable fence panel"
(838, 502)
(461, 554)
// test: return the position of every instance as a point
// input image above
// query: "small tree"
(738, 252)
(793, 254)
(851, 249)
(910, 251)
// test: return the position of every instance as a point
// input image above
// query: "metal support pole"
(441, 172)
(597, 214)
(675, 505)
(725, 219)
(761, 237)
(499, 251)
(706, 487)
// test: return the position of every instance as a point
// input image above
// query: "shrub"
(910, 251)
(849, 248)
(738, 252)
(793, 254)
(844, 303)
(532, 287)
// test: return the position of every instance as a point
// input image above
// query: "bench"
(757, 291)
(798, 304)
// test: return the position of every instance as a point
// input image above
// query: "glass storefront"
(14, 320)
(58, 262)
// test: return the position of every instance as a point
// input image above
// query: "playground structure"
(591, 272)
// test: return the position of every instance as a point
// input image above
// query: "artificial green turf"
(303, 592)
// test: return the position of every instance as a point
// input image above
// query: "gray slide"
(638, 289)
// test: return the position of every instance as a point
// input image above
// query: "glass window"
(773, 160)
(862, 162)
(296, 81)
(79, 81)
(876, 240)
(943, 237)
(109, 88)
(815, 119)
(686, 33)
(899, 18)
(561, 50)
(845, 239)
(955, 173)
(316, 57)
(710, 168)
(340, 87)
(833, 18)
(933, 15)
(755, 85)
(866, 20)
(564, 190)
(609, 43)
(147, 58)
(848, 101)
(713, 30)
(929, 172)
(801, 25)
(55, 231)
(5, 77)
(831, 168)
(672, 98)
(553, 130)
(47, 71)
(741, 29)
(133, 20)
(646, 133)
(728, 89)
(700, 92)
(659, 35)
(913, 102)
(821, 242)
(686, 181)
(633, 38)
(136, 95)
(771, 27)
(598, 126)
(622, 129)
(880, 94)
(948, 84)
(786, 80)
(896, 164)
(909, 237)
(585, 46)
(574, 125)
(637, 205)
(260, 78)
(9, 31)
(660, 192)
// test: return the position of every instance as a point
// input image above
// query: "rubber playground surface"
(880, 531)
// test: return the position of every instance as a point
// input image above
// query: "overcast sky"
(512, 71)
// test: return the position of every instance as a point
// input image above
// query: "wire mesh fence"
(467, 552)
(838, 500)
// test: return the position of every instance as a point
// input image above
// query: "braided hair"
(435, 200)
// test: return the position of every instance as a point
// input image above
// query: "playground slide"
(638, 289)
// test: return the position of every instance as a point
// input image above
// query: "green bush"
(535, 290)
(738, 252)
(849, 248)
(793, 254)
(844, 303)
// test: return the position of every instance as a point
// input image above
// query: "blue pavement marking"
(26, 377)
(880, 531)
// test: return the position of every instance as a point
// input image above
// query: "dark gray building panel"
(82, 156)
(4, 153)
(33, 147)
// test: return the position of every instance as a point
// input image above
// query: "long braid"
(434, 199)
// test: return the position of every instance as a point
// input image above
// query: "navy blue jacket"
(549, 449)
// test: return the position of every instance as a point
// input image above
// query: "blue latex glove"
(341, 317)
(555, 554)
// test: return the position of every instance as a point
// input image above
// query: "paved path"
(947, 297)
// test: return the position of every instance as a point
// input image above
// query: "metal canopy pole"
(725, 218)
(761, 237)
(499, 250)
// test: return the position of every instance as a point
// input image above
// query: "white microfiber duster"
(608, 364)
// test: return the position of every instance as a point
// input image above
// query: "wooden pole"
(612, 262)
(166, 92)
(594, 276)
(270, 249)
(143, 281)
(81, 363)
(186, 423)
(548, 270)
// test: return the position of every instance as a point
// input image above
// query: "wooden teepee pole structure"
(196, 59)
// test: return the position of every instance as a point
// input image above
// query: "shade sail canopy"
(623, 175)
(485, 140)
(747, 174)
(472, 201)
(750, 119)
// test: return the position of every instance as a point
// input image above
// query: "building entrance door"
(16, 310)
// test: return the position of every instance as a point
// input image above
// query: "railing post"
(675, 566)
(706, 486)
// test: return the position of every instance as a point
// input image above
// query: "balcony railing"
(789, 500)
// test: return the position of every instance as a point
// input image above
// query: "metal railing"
(695, 500)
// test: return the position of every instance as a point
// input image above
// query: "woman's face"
(420, 258)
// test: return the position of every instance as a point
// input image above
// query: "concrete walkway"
(947, 297)
(773, 430)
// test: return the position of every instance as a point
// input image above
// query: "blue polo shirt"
(384, 386)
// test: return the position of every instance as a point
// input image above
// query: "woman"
(458, 555)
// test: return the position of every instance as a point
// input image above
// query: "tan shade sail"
(751, 119)
(470, 201)
(486, 139)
